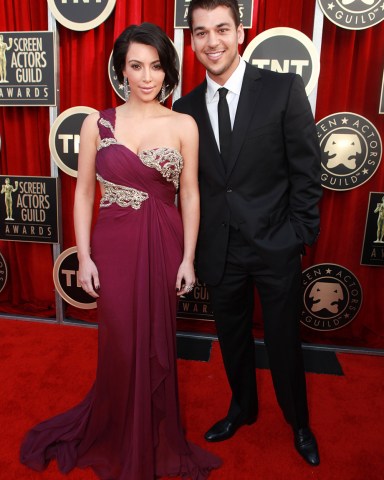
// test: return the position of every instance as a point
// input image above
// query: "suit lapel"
(207, 138)
(250, 91)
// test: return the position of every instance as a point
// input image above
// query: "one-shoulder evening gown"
(128, 426)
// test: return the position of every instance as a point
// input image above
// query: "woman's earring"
(162, 94)
(126, 89)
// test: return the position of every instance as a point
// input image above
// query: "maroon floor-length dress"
(128, 426)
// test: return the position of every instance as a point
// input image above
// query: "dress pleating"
(128, 426)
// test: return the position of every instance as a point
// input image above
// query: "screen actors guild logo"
(196, 304)
(3, 59)
(29, 210)
(27, 68)
(332, 297)
(7, 189)
(116, 85)
(351, 150)
(372, 253)
(3, 272)
(353, 14)
(181, 13)
(380, 221)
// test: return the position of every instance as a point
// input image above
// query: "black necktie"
(225, 130)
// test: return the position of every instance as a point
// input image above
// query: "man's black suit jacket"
(271, 187)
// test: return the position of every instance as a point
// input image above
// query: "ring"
(189, 288)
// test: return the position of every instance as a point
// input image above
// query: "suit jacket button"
(229, 190)
(224, 224)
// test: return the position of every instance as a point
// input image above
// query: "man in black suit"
(259, 175)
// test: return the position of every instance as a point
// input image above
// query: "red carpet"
(45, 369)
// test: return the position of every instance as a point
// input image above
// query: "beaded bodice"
(166, 160)
(121, 195)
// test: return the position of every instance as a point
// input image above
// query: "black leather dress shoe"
(225, 428)
(306, 445)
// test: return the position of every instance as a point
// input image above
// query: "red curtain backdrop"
(24, 133)
(350, 80)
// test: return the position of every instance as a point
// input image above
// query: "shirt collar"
(233, 84)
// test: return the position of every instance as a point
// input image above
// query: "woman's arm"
(189, 201)
(83, 207)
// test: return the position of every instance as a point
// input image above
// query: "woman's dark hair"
(211, 5)
(148, 34)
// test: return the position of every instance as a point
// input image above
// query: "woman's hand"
(89, 277)
(186, 278)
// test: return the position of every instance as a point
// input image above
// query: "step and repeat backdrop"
(55, 69)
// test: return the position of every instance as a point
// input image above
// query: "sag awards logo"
(4, 46)
(182, 6)
(332, 297)
(81, 15)
(195, 305)
(285, 50)
(29, 209)
(350, 150)
(373, 244)
(65, 278)
(7, 189)
(353, 14)
(27, 66)
(64, 138)
(3, 272)
(379, 210)
(116, 85)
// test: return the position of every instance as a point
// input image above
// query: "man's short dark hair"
(211, 5)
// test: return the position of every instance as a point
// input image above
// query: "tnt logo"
(77, 1)
(81, 15)
(332, 297)
(282, 66)
(64, 138)
(70, 142)
(285, 50)
(65, 272)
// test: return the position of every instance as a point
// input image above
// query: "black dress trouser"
(232, 303)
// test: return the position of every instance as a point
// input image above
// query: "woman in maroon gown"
(140, 255)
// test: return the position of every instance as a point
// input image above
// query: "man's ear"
(240, 34)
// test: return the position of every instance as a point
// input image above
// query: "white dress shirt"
(233, 85)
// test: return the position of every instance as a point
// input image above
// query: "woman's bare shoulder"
(183, 120)
(90, 123)
(92, 118)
